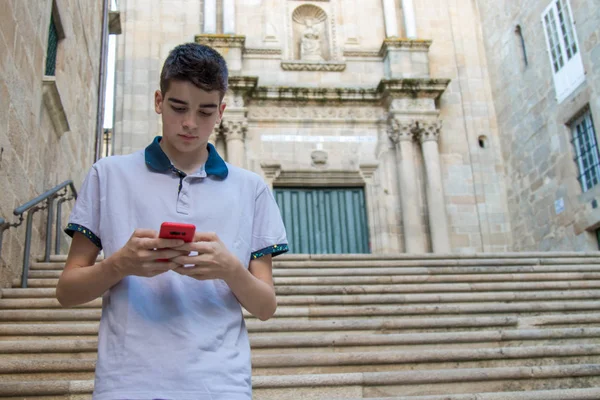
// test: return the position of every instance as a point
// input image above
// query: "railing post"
(58, 224)
(49, 228)
(3, 226)
(27, 249)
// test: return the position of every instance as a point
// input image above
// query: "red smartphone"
(176, 230)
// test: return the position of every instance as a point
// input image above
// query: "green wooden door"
(324, 221)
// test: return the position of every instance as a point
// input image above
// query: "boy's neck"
(186, 162)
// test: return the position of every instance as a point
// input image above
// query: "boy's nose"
(190, 123)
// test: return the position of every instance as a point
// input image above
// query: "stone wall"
(536, 141)
(36, 155)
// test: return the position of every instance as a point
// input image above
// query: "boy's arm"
(82, 279)
(254, 287)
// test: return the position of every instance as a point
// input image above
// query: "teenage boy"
(170, 330)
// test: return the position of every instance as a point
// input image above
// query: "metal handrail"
(31, 207)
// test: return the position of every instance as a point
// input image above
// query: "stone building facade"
(47, 108)
(544, 68)
(389, 97)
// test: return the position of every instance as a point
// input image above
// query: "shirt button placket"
(183, 200)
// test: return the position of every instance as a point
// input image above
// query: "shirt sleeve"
(85, 216)
(268, 231)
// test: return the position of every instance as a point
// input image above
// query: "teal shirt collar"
(158, 160)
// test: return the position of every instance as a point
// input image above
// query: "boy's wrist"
(235, 270)
(111, 267)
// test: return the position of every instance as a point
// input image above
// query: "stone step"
(300, 363)
(350, 280)
(447, 382)
(428, 288)
(310, 327)
(48, 346)
(539, 255)
(21, 293)
(43, 303)
(283, 361)
(558, 394)
(367, 384)
(344, 311)
(336, 341)
(15, 293)
(46, 272)
(57, 397)
(437, 264)
(386, 280)
(342, 340)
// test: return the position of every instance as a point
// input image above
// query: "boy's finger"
(161, 243)
(166, 254)
(145, 233)
(206, 237)
(200, 247)
(161, 266)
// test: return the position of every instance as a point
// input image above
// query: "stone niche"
(310, 34)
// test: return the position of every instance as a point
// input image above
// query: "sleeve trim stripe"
(72, 228)
(274, 250)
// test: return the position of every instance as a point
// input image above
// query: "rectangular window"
(561, 39)
(52, 48)
(586, 151)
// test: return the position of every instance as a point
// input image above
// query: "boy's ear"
(158, 101)
(222, 107)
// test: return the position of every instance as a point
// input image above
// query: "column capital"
(428, 130)
(401, 130)
(234, 130)
(215, 134)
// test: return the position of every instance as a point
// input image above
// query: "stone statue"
(310, 44)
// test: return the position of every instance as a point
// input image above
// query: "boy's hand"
(139, 255)
(214, 260)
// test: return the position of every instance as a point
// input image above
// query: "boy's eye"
(178, 109)
(205, 114)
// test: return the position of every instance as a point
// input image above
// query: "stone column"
(228, 17)
(428, 133)
(391, 20)
(401, 133)
(210, 16)
(410, 24)
(235, 134)
(375, 227)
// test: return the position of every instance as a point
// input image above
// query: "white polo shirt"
(171, 336)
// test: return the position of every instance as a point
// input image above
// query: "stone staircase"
(487, 327)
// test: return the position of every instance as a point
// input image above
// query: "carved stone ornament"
(215, 134)
(429, 130)
(313, 66)
(362, 53)
(234, 130)
(401, 130)
(315, 113)
(310, 33)
(319, 157)
(405, 44)
(271, 169)
(220, 40)
(264, 51)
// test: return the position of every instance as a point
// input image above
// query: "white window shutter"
(563, 48)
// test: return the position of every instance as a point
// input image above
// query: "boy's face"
(188, 114)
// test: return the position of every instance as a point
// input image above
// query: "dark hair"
(199, 64)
